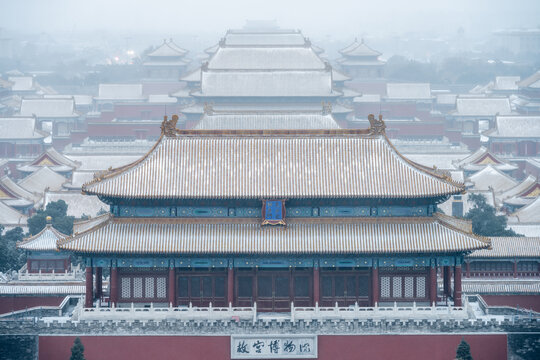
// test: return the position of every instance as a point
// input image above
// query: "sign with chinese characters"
(273, 212)
(273, 346)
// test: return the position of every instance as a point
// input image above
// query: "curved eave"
(343, 236)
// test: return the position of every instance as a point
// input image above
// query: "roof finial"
(48, 219)
(168, 127)
(376, 126)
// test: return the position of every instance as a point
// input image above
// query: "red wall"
(523, 301)
(12, 303)
(373, 347)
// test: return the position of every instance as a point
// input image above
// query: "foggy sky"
(314, 17)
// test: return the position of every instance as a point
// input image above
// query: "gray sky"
(314, 17)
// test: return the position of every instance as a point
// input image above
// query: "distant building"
(528, 102)
(274, 70)
(515, 135)
(518, 41)
(166, 63)
(20, 137)
(41, 252)
(359, 61)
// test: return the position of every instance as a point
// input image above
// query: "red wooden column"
(374, 284)
(99, 282)
(457, 285)
(89, 296)
(113, 286)
(230, 285)
(316, 286)
(447, 279)
(432, 285)
(172, 286)
(515, 269)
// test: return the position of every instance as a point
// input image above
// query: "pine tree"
(463, 351)
(77, 350)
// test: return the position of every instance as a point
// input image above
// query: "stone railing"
(188, 313)
(75, 274)
(397, 312)
(307, 314)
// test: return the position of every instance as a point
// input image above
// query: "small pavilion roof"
(510, 247)
(243, 164)
(482, 158)
(22, 83)
(359, 49)
(300, 236)
(45, 240)
(52, 159)
(490, 177)
(168, 49)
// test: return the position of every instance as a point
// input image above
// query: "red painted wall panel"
(12, 303)
(339, 347)
(523, 301)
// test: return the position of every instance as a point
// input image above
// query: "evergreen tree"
(484, 219)
(11, 258)
(60, 221)
(463, 351)
(77, 350)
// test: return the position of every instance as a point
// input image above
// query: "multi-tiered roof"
(202, 165)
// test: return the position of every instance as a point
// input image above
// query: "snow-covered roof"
(408, 91)
(443, 161)
(102, 162)
(265, 58)
(339, 76)
(520, 189)
(78, 178)
(78, 204)
(267, 121)
(491, 178)
(53, 108)
(22, 83)
(120, 92)
(506, 82)
(45, 240)
(359, 49)
(367, 98)
(193, 76)
(527, 214)
(482, 106)
(9, 189)
(270, 38)
(162, 99)
(42, 179)
(14, 128)
(482, 158)
(11, 217)
(50, 158)
(515, 127)
(531, 81)
(446, 99)
(266, 83)
(168, 49)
